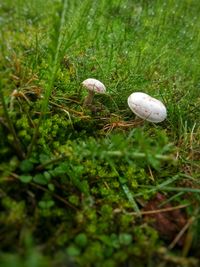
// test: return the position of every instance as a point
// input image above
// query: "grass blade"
(53, 69)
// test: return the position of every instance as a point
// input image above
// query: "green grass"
(75, 183)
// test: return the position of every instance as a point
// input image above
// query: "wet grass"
(99, 187)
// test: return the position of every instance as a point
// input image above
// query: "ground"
(98, 186)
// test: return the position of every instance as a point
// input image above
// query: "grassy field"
(97, 186)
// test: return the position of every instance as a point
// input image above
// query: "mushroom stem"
(89, 98)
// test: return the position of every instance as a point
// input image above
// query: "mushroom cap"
(94, 85)
(147, 107)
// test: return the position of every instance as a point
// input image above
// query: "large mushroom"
(93, 86)
(147, 107)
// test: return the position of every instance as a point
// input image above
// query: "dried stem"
(16, 143)
(180, 234)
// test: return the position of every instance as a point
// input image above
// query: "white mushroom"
(147, 107)
(93, 86)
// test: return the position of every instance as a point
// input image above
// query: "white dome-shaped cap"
(147, 107)
(94, 85)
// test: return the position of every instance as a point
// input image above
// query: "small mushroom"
(93, 86)
(147, 107)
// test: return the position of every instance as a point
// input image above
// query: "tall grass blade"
(52, 73)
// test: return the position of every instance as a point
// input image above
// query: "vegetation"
(96, 186)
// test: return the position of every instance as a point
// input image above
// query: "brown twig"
(15, 176)
(67, 109)
(180, 234)
(161, 210)
(54, 195)
(49, 162)
(16, 144)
